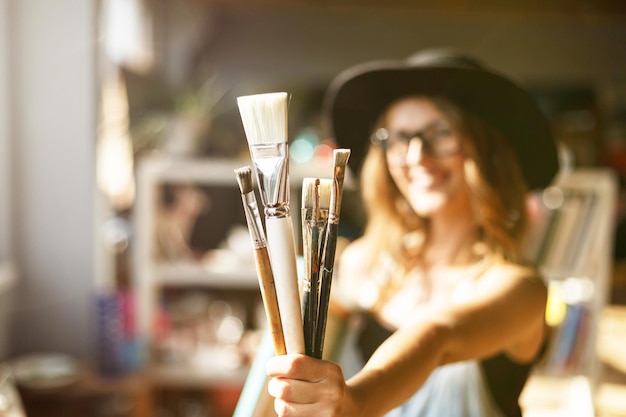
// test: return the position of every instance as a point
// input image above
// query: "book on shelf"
(567, 347)
(568, 232)
(571, 244)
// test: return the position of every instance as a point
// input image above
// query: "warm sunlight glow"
(114, 163)
(128, 33)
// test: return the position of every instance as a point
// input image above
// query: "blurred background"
(125, 264)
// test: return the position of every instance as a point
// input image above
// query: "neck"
(453, 239)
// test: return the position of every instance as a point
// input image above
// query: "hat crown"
(358, 95)
(443, 58)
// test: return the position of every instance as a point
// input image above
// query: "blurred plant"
(181, 122)
(198, 100)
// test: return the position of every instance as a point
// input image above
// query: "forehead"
(412, 112)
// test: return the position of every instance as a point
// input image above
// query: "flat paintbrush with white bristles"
(264, 118)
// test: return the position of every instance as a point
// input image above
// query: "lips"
(426, 179)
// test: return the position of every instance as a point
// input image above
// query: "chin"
(426, 206)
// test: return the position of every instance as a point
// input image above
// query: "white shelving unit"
(152, 275)
(190, 273)
(576, 259)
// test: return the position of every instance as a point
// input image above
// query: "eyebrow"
(430, 125)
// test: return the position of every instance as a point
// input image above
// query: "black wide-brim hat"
(357, 97)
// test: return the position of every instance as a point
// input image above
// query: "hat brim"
(358, 96)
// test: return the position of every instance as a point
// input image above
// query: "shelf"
(574, 256)
(612, 337)
(195, 274)
(169, 169)
(189, 376)
(92, 394)
(576, 262)
(221, 171)
(556, 396)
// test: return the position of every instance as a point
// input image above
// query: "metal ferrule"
(335, 196)
(271, 161)
(253, 218)
(322, 219)
(307, 245)
(313, 224)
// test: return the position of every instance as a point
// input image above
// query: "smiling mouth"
(423, 182)
(426, 180)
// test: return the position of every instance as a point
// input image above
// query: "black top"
(504, 377)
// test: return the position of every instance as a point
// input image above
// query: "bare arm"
(505, 313)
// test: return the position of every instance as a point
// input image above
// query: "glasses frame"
(435, 131)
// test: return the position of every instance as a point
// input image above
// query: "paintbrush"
(327, 263)
(264, 118)
(261, 258)
(315, 202)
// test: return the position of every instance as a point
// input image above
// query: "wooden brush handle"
(326, 277)
(310, 291)
(270, 300)
(282, 248)
(310, 253)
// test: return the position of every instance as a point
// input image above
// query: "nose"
(415, 151)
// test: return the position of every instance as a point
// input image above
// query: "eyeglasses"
(437, 139)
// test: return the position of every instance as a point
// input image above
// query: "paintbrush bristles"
(244, 179)
(340, 161)
(264, 117)
(316, 189)
(309, 192)
(326, 186)
(340, 157)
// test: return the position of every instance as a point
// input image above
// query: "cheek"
(445, 186)
(399, 179)
(457, 176)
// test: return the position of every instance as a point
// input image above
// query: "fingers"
(285, 409)
(292, 390)
(294, 366)
(305, 386)
(304, 404)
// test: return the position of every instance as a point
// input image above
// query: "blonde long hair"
(496, 186)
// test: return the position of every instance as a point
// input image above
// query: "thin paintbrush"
(315, 202)
(330, 245)
(261, 258)
(264, 118)
(310, 215)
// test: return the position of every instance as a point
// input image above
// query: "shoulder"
(515, 295)
(514, 284)
(511, 273)
(509, 283)
(522, 289)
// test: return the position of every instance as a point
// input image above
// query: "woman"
(452, 314)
